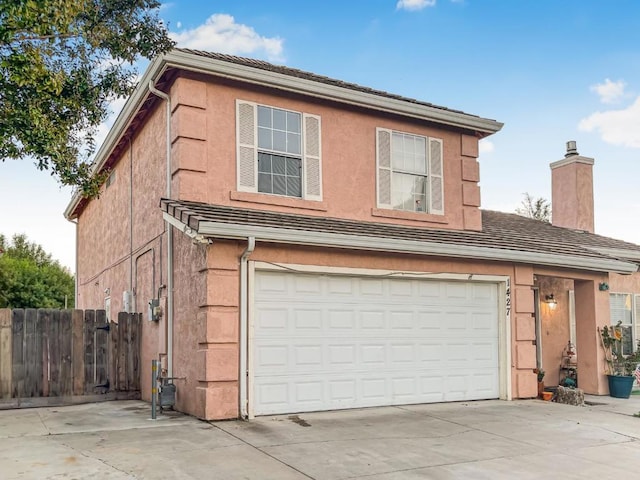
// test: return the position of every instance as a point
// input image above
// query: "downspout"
(132, 294)
(75, 287)
(169, 323)
(244, 320)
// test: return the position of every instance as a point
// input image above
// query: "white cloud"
(617, 127)
(609, 92)
(486, 146)
(414, 5)
(221, 33)
(178, 24)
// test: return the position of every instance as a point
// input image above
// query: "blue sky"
(551, 70)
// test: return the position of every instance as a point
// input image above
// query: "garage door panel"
(372, 287)
(308, 319)
(372, 322)
(273, 318)
(430, 320)
(340, 285)
(401, 320)
(373, 355)
(329, 342)
(341, 319)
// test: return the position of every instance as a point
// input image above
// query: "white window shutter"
(246, 137)
(436, 185)
(312, 169)
(383, 163)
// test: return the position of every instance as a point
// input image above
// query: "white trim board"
(323, 239)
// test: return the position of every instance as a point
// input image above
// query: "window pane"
(420, 159)
(293, 167)
(401, 195)
(264, 183)
(397, 151)
(264, 162)
(279, 141)
(264, 138)
(279, 119)
(293, 143)
(620, 308)
(294, 187)
(408, 192)
(279, 165)
(279, 185)
(293, 122)
(627, 341)
(408, 153)
(264, 116)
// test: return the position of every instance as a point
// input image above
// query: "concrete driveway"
(489, 439)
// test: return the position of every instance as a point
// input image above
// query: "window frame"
(433, 176)
(247, 151)
(634, 311)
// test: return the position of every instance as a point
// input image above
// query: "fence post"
(5, 353)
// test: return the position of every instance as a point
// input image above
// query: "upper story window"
(409, 172)
(278, 151)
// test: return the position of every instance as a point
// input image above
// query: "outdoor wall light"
(604, 286)
(551, 301)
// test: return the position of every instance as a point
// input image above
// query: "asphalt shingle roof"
(294, 72)
(501, 230)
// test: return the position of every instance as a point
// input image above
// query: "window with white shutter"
(410, 172)
(622, 312)
(279, 151)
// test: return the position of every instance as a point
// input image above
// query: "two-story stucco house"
(317, 245)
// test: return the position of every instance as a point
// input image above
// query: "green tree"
(536, 208)
(30, 278)
(62, 62)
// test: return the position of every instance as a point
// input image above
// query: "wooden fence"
(60, 357)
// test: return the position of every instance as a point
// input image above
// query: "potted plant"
(620, 368)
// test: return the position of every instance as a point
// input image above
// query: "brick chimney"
(572, 191)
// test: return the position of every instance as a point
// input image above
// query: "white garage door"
(325, 342)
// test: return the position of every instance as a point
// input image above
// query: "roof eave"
(208, 65)
(122, 122)
(303, 237)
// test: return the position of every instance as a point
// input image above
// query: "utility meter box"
(153, 315)
(127, 301)
(167, 395)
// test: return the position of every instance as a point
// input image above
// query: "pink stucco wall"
(204, 157)
(123, 252)
(592, 312)
(555, 325)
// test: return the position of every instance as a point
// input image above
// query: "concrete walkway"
(489, 439)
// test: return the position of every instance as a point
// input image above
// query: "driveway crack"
(264, 452)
